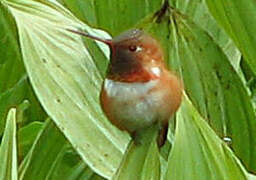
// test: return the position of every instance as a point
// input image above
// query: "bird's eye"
(132, 48)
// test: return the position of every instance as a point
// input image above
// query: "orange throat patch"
(136, 76)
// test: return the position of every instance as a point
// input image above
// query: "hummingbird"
(138, 90)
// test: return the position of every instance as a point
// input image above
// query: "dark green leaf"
(27, 136)
(11, 65)
(198, 12)
(16, 95)
(69, 166)
(238, 18)
(41, 157)
(114, 16)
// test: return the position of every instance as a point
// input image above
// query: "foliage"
(51, 123)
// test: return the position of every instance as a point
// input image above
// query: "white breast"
(126, 91)
(134, 104)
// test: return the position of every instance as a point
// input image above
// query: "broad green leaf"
(11, 65)
(8, 149)
(14, 86)
(67, 82)
(114, 16)
(210, 81)
(198, 12)
(198, 153)
(141, 160)
(238, 18)
(27, 136)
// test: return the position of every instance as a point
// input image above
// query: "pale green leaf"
(251, 177)
(141, 159)
(14, 86)
(8, 149)
(198, 153)
(66, 81)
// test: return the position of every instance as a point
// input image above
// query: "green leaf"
(14, 86)
(16, 95)
(141, 160)
(114, 16)
(8, 149)
(238, 18)
(198, 153)
(251, 177)
(68, 165)
(210, 81)
(198, 12)
(27, 136)
(67, 82)
(11, 65)
(57, 158)
(10, 98)
(48, 145)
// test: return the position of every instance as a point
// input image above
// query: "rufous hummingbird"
(138, 90)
